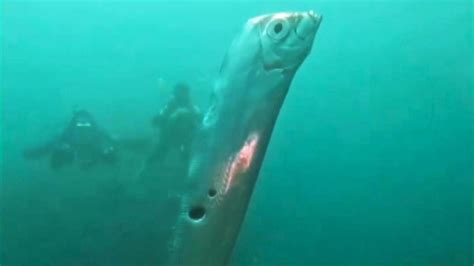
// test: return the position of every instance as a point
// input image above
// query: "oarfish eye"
(277, 29)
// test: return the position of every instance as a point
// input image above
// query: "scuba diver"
(82, 141)
(177, 123)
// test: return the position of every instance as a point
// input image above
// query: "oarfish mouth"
(308, 24)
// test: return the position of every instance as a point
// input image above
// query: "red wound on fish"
(242, 160)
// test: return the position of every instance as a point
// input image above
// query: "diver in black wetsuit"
(82, 141)
(177, 122)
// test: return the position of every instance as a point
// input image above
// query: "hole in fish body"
(212, 193)
(197, 213)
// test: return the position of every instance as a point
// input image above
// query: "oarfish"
(230, 146)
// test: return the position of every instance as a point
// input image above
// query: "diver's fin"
(36, 152)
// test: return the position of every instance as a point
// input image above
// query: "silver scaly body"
(230, 147)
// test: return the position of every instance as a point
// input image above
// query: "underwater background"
(370, 162)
